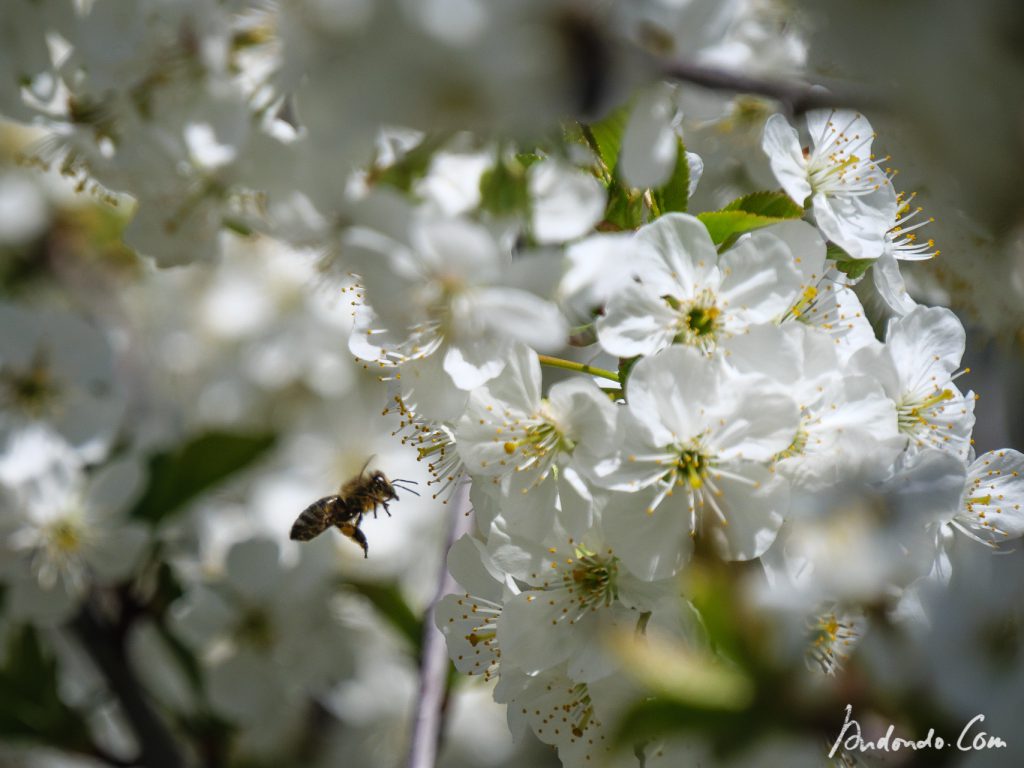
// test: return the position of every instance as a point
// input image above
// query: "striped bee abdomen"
(314, 520)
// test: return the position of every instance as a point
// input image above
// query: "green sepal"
(845, 263)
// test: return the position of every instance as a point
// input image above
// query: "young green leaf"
(178, 476)
(725, 224)
(674, 195)
(605, 136)
(775, 205)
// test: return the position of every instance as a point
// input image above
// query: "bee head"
(382, 485)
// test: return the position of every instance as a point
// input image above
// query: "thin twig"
(426, 731)
(106, 647)
(796, 97)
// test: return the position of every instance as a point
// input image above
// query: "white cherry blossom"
(445, 295)
(853, 200)
(701, 437)
(696, 297)
(916, 368)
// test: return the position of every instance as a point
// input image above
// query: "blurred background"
(229, 386)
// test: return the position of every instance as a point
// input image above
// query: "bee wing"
(314, 520)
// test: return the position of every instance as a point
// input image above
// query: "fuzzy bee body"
(359, 496)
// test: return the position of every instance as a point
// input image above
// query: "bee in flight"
(359, 496)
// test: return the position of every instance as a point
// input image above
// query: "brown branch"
(796, 97)
(427, 719)
(106, 647)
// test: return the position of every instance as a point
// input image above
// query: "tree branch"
(430, 703)
(796, 97)
(106, 647)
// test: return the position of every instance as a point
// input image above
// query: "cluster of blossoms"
(656, 369)
(747, 412)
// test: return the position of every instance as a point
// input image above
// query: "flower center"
(831, 641)
(914, 415)
(834, 165)
(64, 537)
(699, 320)
(593, 579)
(32, 391)
(541, 440)
(797, 447)
(690, 468)
(255, 629)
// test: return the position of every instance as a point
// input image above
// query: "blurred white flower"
(445, 297)
(567, 202)
(266, 632)
(57, 370)
(64, 530)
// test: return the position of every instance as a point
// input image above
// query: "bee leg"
(353, 532)
(385, 505)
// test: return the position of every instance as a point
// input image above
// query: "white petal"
(753, 515)
(523, 316)
(652, 546)
(857, 223)
(782, 145)
(759, 279)
(649, 144)
(473, 362)
(635, 322)
(890, 286)
(567, 202)
(430, 391)
(926, 346)
(253, 567)
(685, 246)
(458, 249)
(471, 567)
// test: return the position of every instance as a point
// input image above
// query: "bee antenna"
(363, 470)
(404, 488)
(400, 480)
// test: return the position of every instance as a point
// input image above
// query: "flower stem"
(571, 365)
(431, 703)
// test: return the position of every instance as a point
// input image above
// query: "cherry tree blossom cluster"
(715, 446)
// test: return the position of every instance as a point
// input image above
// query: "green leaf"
(413, 165)
(503, 188)
(625, 208)
(30, 706)
(674, 195)
(388, 600)
(775, 205)
(605, 136)
(179, 476)
(725, 224)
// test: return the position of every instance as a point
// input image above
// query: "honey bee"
(357, 497)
